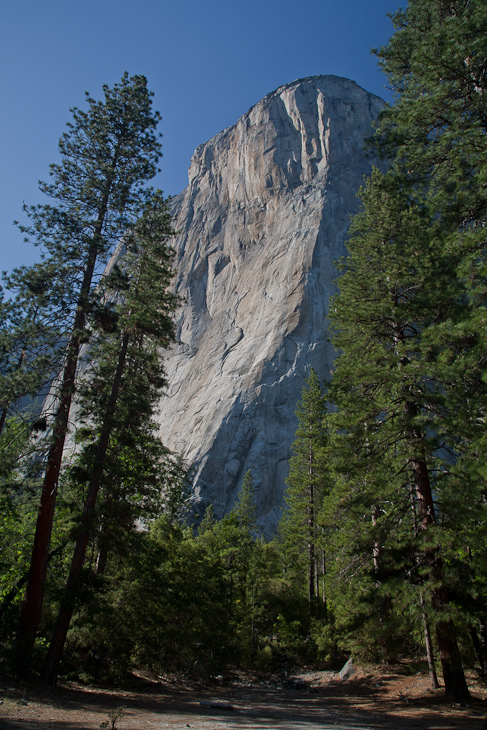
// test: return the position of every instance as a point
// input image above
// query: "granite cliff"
(261, 223)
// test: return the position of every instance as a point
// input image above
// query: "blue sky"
(207, 62)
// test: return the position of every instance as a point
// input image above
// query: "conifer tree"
(120, 396)
(238, 532)
(236, 540)
(308, 484)
(108, 155)
(392, 436)
(437, 133)
(410, 317)
(245, 509)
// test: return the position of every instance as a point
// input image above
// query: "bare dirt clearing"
(372, 698)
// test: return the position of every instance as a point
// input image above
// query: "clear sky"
(207, 61)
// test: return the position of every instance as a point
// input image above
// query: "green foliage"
(162, 603)
(141, 477)
(107, 156)
(114, 715)
(17, 508)
(99, 189)
(121, 458)
(30, 335)
(245, 509)
(300, 530)
(409, 322)
(392, 441)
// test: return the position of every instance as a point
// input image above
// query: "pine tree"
(435, 62)
(308, 484)
(245, 509)
(436, 132)
(237, 533)
(411, 319)
(236, 540)
(107, 156)
(120, 396)
(392, 435)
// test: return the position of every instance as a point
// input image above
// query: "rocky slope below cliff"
(261, 223)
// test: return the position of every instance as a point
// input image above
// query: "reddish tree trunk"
(32, 604)
(451, 661)
(453, 674)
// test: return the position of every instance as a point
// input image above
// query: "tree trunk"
(67, 605)
(451, 661)
(32, 605)
(377, 549)
(483, 640)
(429, 647)
(311, 543)
(3, 418)
(478, 650)
(453, 674)
(323, 593)
(101, 560)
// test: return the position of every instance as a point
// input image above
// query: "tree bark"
(451, 663)
(429, 647)
(478, 650)
(101, 561)
(311, 535)
(377, 549)
(483, 640)
(323, 592)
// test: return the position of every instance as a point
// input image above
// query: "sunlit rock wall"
(261, 223)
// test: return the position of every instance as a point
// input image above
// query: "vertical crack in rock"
(262, 221)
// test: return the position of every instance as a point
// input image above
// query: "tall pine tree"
(120, 396)
(108, 155)
(308, 485)
(391, 441)
(410, 317)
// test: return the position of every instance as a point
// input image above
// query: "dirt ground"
(372, 698)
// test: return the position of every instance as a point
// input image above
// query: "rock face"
(261, 223)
